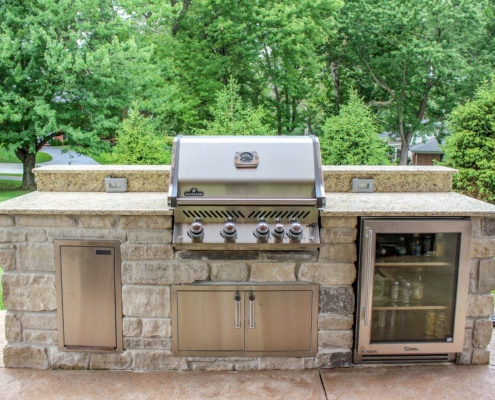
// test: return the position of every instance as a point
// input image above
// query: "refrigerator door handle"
(367, 275)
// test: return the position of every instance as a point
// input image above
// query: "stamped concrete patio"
(414, 382)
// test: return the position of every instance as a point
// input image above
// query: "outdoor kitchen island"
(71, 204)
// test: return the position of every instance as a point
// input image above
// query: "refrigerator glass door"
(413, 286)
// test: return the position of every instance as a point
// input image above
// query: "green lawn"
(10, 189)
(7, 185)
(4, 174)
(103, 158)
(6, 157)
(2, 307)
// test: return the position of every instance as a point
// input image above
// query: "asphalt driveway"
(59, 158)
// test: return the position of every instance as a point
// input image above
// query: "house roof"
(430, 147)
(389, 135)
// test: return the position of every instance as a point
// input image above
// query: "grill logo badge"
(411, 348)
(193, 192)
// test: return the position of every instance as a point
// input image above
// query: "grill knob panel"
(262, 231)
(229, 231)
(196, 230)
(295, 231)
(278, 231)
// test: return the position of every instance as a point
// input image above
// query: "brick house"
(425, 153)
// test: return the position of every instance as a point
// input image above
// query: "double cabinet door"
(225, 320)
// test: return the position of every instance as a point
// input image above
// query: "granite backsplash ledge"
(338, 178)
(155, 178)
(91, 178)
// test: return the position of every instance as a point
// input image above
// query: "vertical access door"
(210, 320)
(278, 320)
(87, 286)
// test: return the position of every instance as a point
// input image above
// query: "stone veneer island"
(71, 204)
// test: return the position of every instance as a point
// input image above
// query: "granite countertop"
(449, 204)
(338, 204)
(130, 203)
(84, 169)
(388, 169)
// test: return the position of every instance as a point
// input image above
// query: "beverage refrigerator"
(412, 289)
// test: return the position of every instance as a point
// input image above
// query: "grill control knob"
(262, 231)
(295, 231)
(196, 230)
(229, 231)
(278, 231)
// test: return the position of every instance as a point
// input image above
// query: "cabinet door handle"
(252, 324)
(368, 281)
(237, 313)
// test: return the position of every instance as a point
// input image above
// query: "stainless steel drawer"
(89, 295)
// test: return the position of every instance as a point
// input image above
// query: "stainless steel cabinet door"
(279, 320)
(210, 320)
(88, 296)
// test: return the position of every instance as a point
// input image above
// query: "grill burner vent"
(211, 214)
(255, 214)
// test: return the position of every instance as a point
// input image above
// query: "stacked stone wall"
(149, 267)
(480, 305)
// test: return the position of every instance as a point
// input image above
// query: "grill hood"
(230, 170)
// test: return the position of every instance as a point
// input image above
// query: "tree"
(151, 23)
(351, 138)
(290, 35)
(471, 146)
(271, 48)
(66, 67)
(419, 58)
(231, 116)
(137, 142)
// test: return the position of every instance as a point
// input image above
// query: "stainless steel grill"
(257, 192)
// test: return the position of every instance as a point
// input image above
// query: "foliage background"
(471, 146)
(232, 117)
(351, 138)
(138, 143)
(208, 67)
